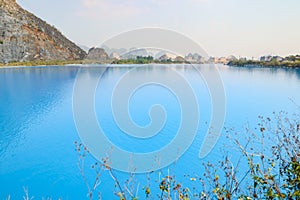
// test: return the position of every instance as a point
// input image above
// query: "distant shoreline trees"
(272, 61)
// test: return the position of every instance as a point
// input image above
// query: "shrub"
(273, 171)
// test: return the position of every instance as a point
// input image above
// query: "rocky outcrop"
(97, 54)
(167, 57)
(25, 37)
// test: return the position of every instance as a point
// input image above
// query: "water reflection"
(289, 72)
(27, 95)
(30, 96)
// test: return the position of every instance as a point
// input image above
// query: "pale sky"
(222, 27)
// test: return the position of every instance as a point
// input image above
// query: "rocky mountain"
(25, 37)
(97, 54)
(109, 51)
(167, 57)
(133, 53)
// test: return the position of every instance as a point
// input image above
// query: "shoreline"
(264, 66)
(84, 63)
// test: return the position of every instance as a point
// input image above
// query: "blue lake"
(37, 128)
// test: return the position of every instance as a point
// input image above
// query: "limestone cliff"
(25, 37)
(97, 54)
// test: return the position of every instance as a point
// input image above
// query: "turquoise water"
(37, 130)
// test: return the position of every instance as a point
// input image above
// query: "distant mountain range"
(25, 37)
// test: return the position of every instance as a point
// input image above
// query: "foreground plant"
(272, 154)
(268, 168)
(124, 192)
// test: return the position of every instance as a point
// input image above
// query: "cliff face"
(25, 37)
(97, 54)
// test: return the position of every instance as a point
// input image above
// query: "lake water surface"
(37, 129)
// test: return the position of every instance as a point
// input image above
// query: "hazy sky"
(221, 27)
